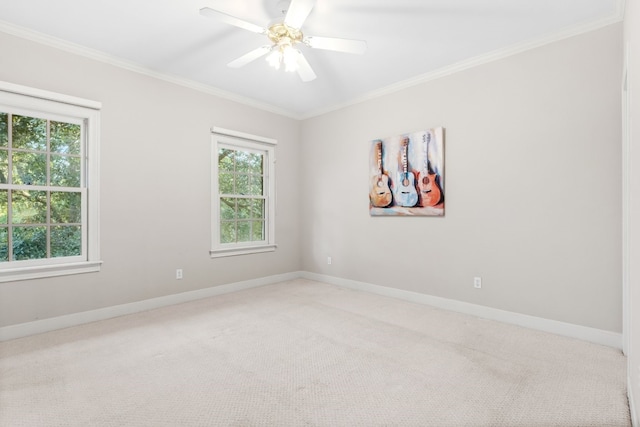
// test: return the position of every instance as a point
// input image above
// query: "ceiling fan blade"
(340, 45)
(248, 57)
(304, 69)
(232, 20)
(298, 12)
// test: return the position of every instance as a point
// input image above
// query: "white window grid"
(223, 138)
(31, 102)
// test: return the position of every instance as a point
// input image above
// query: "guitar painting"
(380, 192)
(406, 174)
(406, 193)
(429, 190)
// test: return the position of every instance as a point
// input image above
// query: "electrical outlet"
(179, 273)
(477, 282)
(329, 260)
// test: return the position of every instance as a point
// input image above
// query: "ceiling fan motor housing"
(280, 31)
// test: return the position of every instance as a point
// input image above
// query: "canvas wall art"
(407, 174)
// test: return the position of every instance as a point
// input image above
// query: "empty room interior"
(319, 212)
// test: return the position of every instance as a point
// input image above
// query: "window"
(48, 184)
(243, 187)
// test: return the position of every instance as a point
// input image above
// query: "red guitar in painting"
(428, 184)
(406, 194)
(380, 193)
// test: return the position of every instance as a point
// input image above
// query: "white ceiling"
(408, 40)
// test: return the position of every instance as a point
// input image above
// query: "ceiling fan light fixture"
(290, 58)
(274, 58)
(283, 53)
(285, 34)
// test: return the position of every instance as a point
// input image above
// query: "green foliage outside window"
(40, 188)
(242, 202)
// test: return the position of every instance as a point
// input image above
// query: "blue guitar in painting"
(406, 193)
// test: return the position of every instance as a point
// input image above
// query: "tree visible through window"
(243, 205)
(242, 216)
(41, 199)
(49, 184)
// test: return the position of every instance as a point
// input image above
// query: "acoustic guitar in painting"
(380, 194)
(428, 185)
(406, 194)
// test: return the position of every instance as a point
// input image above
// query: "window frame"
(22, 100)
(239, 140)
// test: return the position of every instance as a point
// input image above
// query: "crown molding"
(97, 55)
(477, 61)
(94, 54)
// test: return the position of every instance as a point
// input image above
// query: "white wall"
(155, 186)
(532, 174)
(632, 42)
(533, 202)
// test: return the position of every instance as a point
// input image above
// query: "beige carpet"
(303, 353)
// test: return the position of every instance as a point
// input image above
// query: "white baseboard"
(75, 319)
(598, 336)
(584, 333)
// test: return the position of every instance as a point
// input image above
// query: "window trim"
(252, 142)
(51, 104)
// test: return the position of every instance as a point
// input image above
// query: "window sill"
(39, 272)
(243, 250)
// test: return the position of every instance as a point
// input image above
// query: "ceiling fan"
(284, 34)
